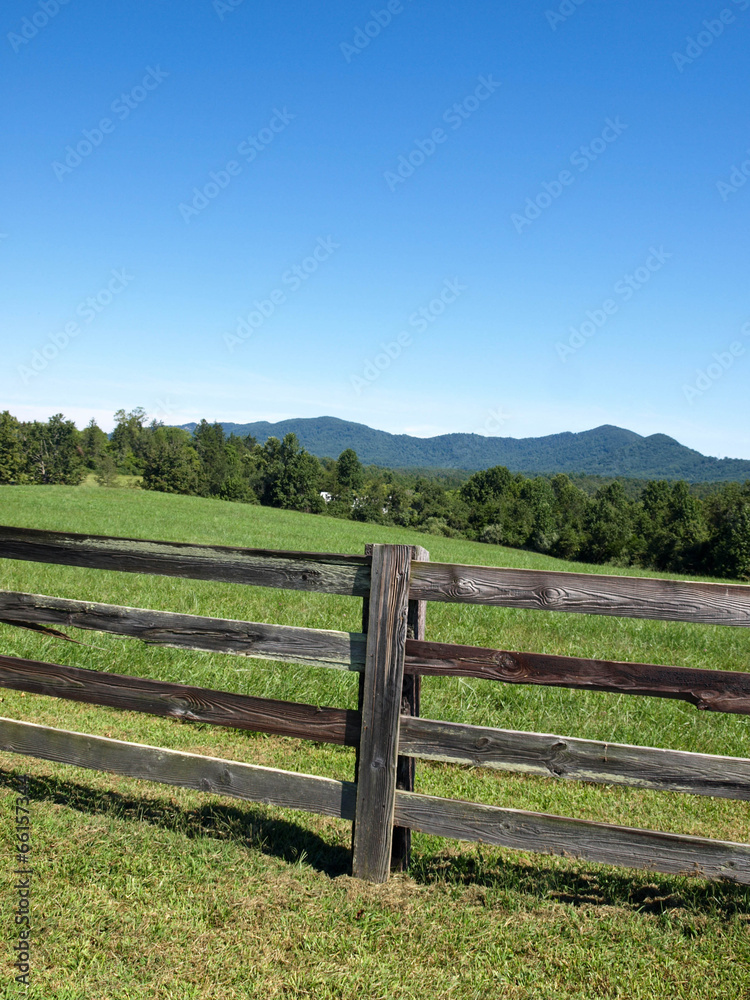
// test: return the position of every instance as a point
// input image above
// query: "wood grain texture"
(710, 690)
(381, 709)
(173, 767)
(180, 701)
(410, 706)
(315, 571)
(575, 838)
(312, 647)
(583, 593)
(577, 760)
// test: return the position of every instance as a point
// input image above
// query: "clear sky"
(513, 219)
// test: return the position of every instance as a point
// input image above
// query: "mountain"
(603, 451)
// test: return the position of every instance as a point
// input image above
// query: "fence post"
(381, 708)
(410, 697)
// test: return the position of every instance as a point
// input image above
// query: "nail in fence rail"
(388, 733)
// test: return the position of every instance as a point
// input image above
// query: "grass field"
(143, 890)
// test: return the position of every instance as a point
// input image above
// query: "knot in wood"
(463, 588)
(550, 595)
(181, 708)
(554, 759)
(482, 743)
(508, 663)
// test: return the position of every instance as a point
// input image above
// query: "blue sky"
(508, 219)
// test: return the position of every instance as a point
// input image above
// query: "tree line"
(665, 525)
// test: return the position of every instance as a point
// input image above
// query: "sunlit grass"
(149, 891)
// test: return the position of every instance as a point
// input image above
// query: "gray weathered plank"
(181, 701)
(173, 767)
(576, 838)
(710, 690)
(328, 573)
(378, 750)
(575, 759)
(309, 646)
(410, 706)
(583, 593)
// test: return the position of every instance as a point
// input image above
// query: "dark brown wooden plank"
(361, 685)
(410, 706)
(313, 647)
(576, 838)
(181, 701)
(710, 690)
(583, 593)
(570, 759)
(328, 573)
(384, 673)
(188, 770)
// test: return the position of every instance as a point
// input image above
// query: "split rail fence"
(391, 654)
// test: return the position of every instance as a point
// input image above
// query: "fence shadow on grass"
(244, 824)
(644, 892)
(540, 879)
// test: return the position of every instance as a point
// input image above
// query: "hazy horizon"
(512, 221)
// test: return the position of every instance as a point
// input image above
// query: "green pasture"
(143, 890)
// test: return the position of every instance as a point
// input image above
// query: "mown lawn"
(143, 890)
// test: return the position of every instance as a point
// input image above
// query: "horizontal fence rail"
(175, 767)
(575, 759)
(576, 838)
(531, 753)
(181, 701)
(582, 593)
(514, 828)
(308, 646)
(710, 690)
(387, 732)
(321, 572)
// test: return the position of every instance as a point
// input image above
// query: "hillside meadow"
(144, 890)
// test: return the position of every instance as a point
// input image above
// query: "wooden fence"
(390, 654)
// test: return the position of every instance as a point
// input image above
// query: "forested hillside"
(666, 526)
(603, 451)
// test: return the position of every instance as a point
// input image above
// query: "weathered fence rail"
(390, 655)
